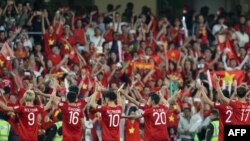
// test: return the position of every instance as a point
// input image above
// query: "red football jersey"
(28, 122)
(49, 41)
(155, 124)
(241, 112)
(144, 106)
(110, 122)
(72, 123)
(225, 117)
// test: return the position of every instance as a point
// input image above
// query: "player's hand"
(177, 94)
(121, 87)
(37, 91)
(216, 79)
(1, 91)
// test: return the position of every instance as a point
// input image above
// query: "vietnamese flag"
(231, 54)
(156, 58)
(2, 60)
(173, 54)
(6, 51)
(229, 76)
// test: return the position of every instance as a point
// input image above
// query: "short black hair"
(226, 93)
(155, 97)
(215, 112)
(71, 96)
(241, 92)
(110, 95)
(74, 89)
(132, 109)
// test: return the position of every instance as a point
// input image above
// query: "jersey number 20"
(160, 118)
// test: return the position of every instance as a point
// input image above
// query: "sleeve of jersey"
(217, 106)
(84, 103)
(100, 108)
(146, 113)
(18, 108)
(61, 105)
(143, 106)
(233, 103)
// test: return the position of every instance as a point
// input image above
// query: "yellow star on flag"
(172, 54)
(66, 46)
(1, 63)
(131, 130)
(171, 118)
(51, 42)
(228, 78)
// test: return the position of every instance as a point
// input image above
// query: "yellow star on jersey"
(1, 63)
(171, 118)
(51, 42)
(66, 46)
(131, 130)
(173, 55)
(228, 78)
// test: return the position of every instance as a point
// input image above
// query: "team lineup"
(230, 112)
(110, 70)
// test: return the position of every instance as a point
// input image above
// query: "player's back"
(155, 121)
(28, 122)
(110, 122)
(241, 112)
(225, 117)
(72, 120)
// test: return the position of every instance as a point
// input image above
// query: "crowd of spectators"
(146, 52)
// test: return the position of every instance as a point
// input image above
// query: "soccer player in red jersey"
(225, 113)
(155, 120)
(110, 115)
(28, 117)
(72, 112)
(241, 107)
(147, 106)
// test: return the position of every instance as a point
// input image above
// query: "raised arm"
(73, 21)
(129, 98)
(219, 91)
(29, 23)
(206, 99)
(119, 99)
(5, 107)
(148, 75)
(43, 24)
(243, 62)
(93, 100)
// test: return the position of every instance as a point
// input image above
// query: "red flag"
(173, 54)
(156, 58)
(6, 51)
(2, 60)
(231, 54)
(229, 76)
